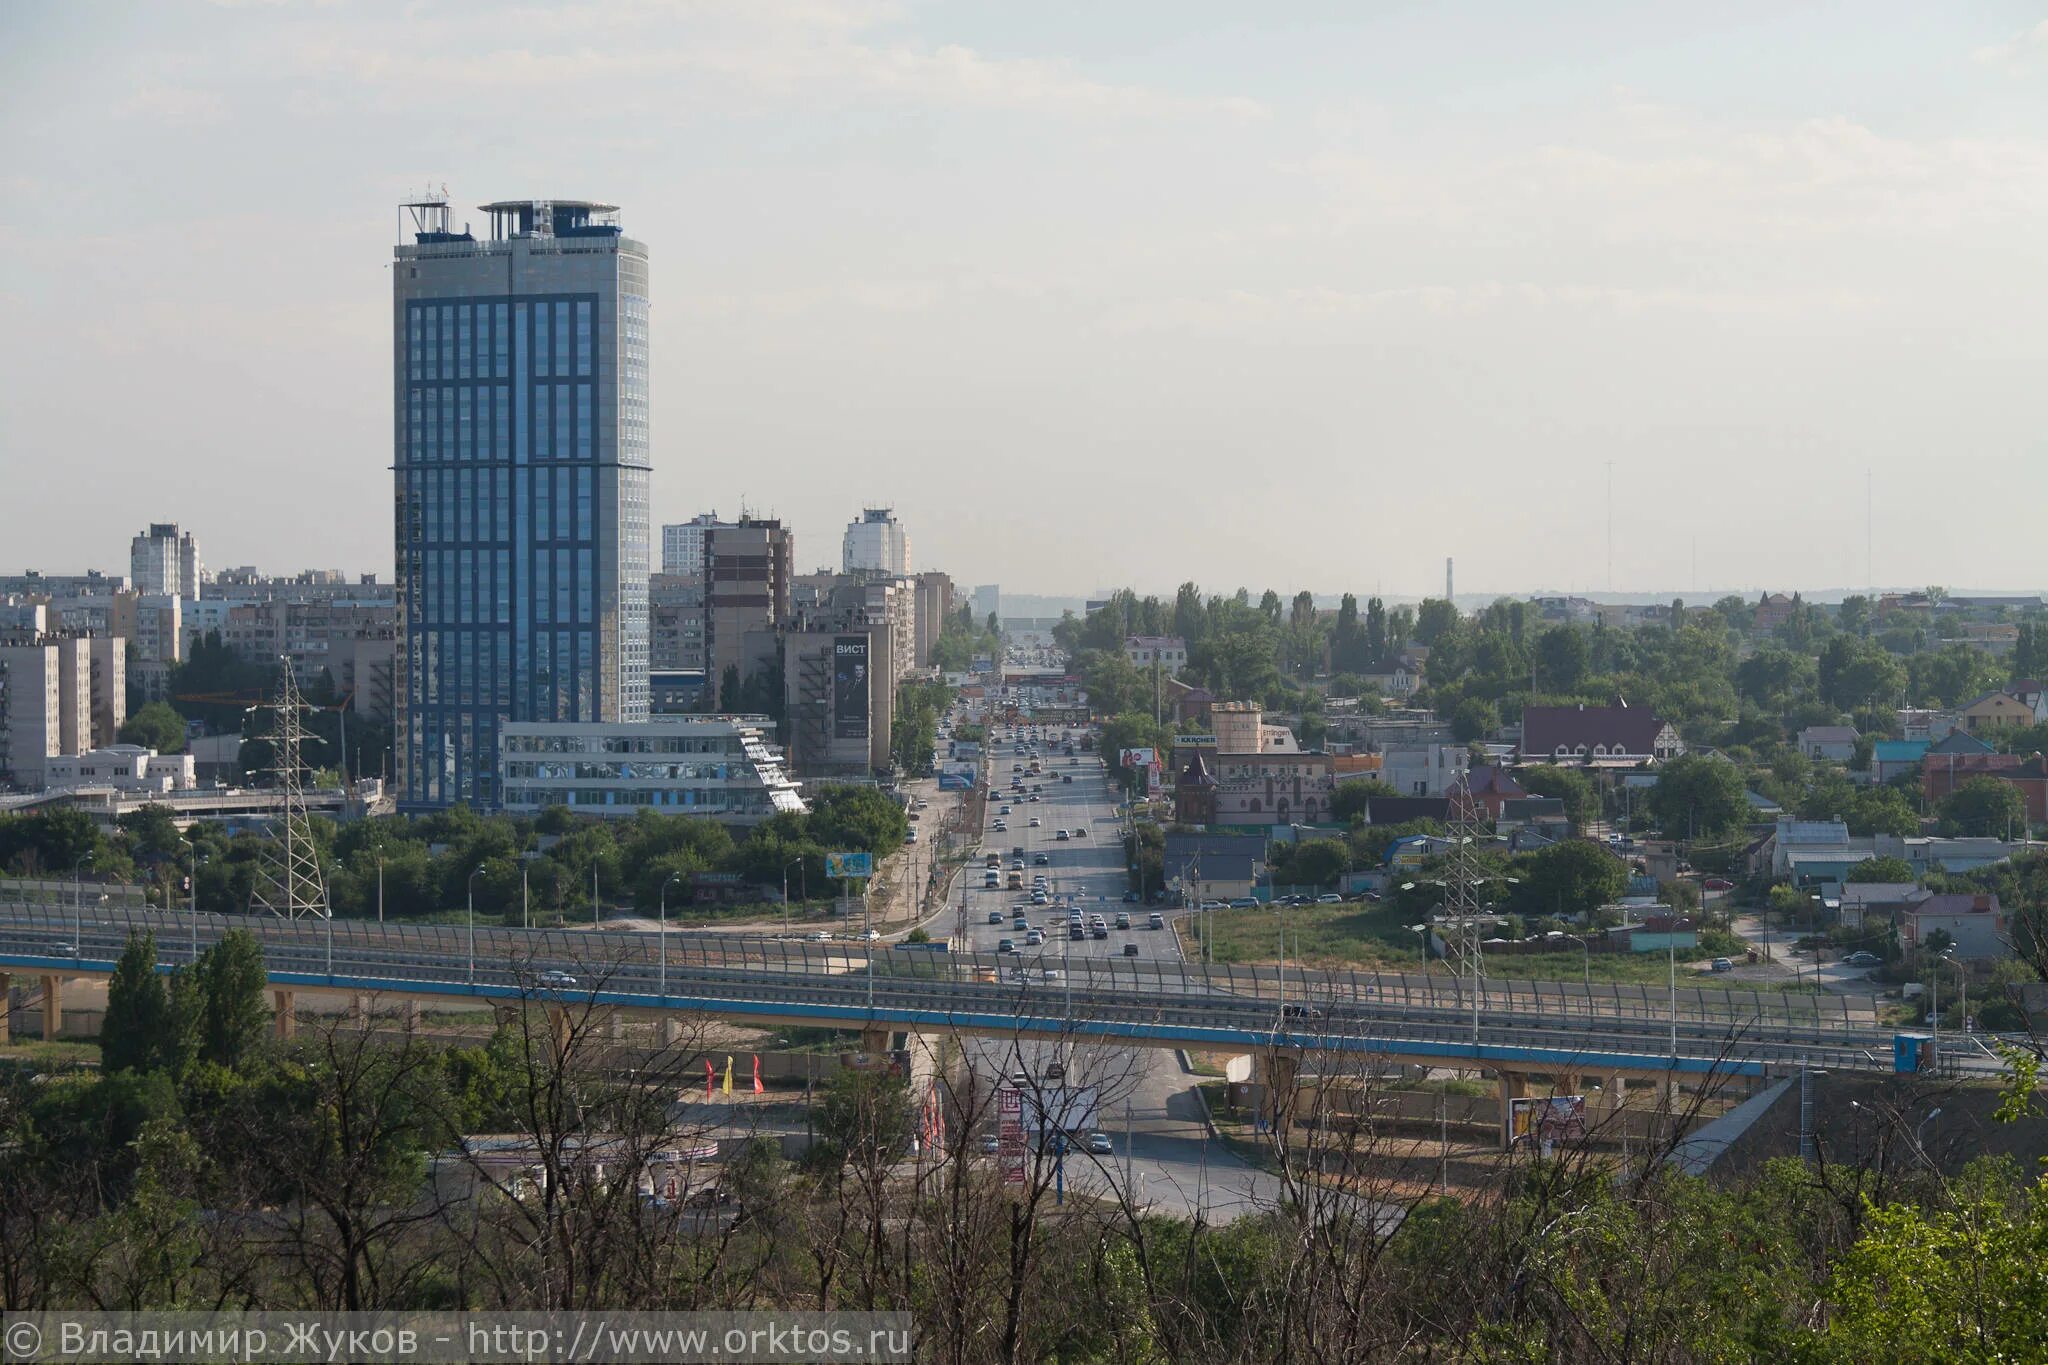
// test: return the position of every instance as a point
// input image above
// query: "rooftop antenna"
(288, 880)
(1610, 526)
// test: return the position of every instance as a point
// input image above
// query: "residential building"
(682, 544)
(839, 695)
(675, 622)
(2027, 772)
(1994, 711)
(91, 583)
(1831, 743)
(1865, 901)
(1975, 924)
(1993, 637)
(1920, 723)
(1772, 610)
(521, 481)
(32, 720)
(934, 606)
(164, 562)
(1207, 867)
(1893, 758)
(1423, 769)
(1597, 736)
(1542, 816)
(1492, 787)
(353, 643)
(675, 692)
(1282, 785)
(988, 601)
(746, 589)
(876, 543)
(717, 767)
(1168, 652)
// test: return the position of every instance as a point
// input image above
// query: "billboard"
(1137, 758)
(849, 864)
(1057, 1108)
(1546, 1121)
(850, 687)
(1010, 1135)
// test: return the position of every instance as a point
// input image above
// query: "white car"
(1035, 822)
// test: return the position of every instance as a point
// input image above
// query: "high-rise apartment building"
(521, 518)
(877, 543)
(746, 589)
(164, 562)
(682, 544)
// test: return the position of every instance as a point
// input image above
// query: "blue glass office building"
(520, 485)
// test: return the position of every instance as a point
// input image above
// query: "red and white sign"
(1010, 1135)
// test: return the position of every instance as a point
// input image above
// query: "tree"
(231, 983)
(1473, 719)
(1568, 785)
(1433, 620)
(135, 1029)
(729, 689)
(156, 726)
(1570, 878)
(1312, 862)
(1350, 799)
(1561, 658)
(1698, 798)
(1885, 869)
(1984, 807)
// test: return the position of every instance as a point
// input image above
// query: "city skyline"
(1337, 269)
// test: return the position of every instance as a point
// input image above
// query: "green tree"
(1349, 799)
(1571, 878)
(865, 1117)
(1568, 785)
(1984, 807)
(1312, 862)
(233, 1015)
(1698, 798)
(136, 1026)
(1561, 658)
(1885, 869)
(1474, 719)
(156, 726)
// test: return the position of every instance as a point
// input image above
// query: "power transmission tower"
(288, 880)
(1461, 890)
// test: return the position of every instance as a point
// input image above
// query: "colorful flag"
(710, 1079)
(728, 1074)
(758, 1087)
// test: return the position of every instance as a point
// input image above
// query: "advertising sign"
(1546, 1121)
(1137, 758)
(850, 686)
(1194, 741)
(1010, 1135)
(849, 864)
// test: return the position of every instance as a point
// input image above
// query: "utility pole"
(289, 882)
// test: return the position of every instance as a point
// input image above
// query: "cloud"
(2026, 48)
(174, 104)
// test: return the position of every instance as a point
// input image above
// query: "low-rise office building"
(717, 767)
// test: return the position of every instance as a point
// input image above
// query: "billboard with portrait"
(850, 687)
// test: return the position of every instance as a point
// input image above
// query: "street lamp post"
(661, 935)
(78, 903)
(470, 888)
(196, 860)
(1587, 948)
(793, 862)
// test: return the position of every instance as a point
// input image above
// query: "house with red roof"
(1597, 736)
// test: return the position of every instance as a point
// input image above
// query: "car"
(556, 981)
(1301, 1012)
(1020, 1078)
(1016, 864)
(1067, 778)
(990, 1144)
(1042, 860)
(1329, 898)
(1244, 903)
(1130, 950)
(1717, 884)
(873, 936)
(1018, 922)
(1098, 931)
(1722, 964)
(1038, 898)
(1130, 898)
(911, 837)
(1034, 938)
(1036, 822)
(1080, 833)
(1100, 1145)
(1123, 920)
(1051, 974)
(1075, 933)
(995, 917)
(1006, 945)
(1155, 920)
(821, 937)
(1060, 837)
(1862, 958)
(1055, 1070)
(1035, 796)
(1004, 811)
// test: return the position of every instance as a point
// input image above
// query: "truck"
(994, 862)
(1016, 882)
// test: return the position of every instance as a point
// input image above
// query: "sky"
(1293, 295)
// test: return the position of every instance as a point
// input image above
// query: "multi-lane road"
(1162, 1152)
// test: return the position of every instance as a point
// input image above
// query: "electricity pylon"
(288, 880)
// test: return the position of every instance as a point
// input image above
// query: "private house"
(1772, 611)
(1974, 923)
(1942, 774)
(1541, 815)
(1832, 743)
(1994, 711)
(1492, 787)
(1168, 652)
(1890, 758)
(1619, 736)
(1867, 901)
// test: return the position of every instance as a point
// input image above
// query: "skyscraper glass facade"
(521, 492)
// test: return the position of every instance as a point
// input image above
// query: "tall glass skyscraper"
(520, 491)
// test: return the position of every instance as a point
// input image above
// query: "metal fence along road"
(843, 980)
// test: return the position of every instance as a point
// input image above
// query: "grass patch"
(41, 1056)
(1343, 936)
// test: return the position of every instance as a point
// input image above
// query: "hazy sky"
(1302, 295)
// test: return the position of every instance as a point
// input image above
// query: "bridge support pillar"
(1513, 1086)
(874, 1041)
(1616, 1092)
(671, 1029)
(284, 1005)
(412, 1013)
(53, 1007)
(1279, 1075)
(6, 1008)
(615, 1025)
(559, 1026)
(359, 1009)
